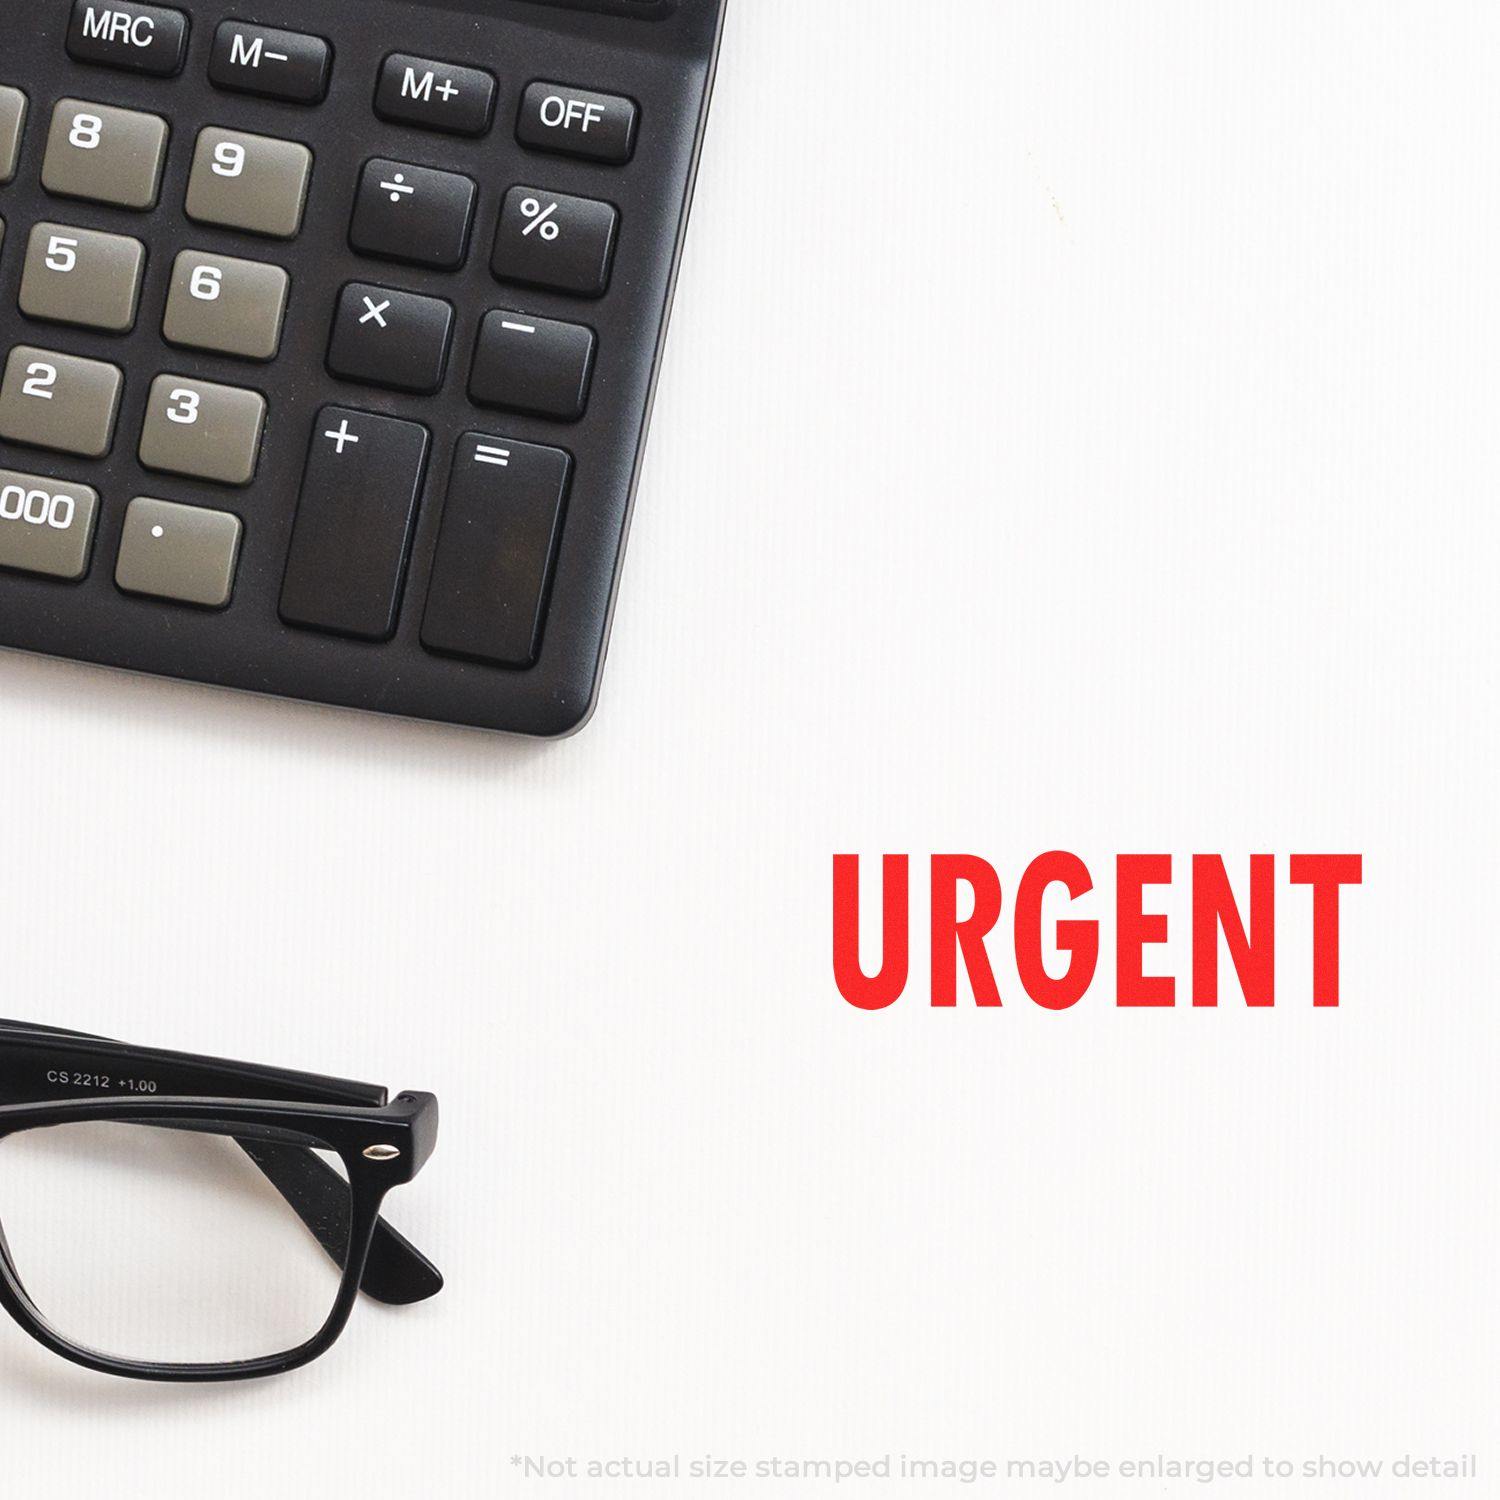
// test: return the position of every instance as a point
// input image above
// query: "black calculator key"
(577, 122)
(554, 241)
(435, 95)
(500, 532)
(354, 523)
(392, 339)
(273, 64)
(413, 214)
(533, 365)
(136, 38)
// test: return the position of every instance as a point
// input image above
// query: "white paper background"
(1079, 431)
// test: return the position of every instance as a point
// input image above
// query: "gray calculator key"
(202, 430)
(51, 400)
(179, 552)
(12, 124)
(104, 154)
(250, 182)
(46, 525)
(226, 305)
(82, 276)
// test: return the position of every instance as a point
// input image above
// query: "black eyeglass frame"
(383, 1143)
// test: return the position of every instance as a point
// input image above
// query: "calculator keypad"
(46, 525)
(61, 402)
(250, 182)
(12, 123)
(226, 305)
(105, 155)
(202, 431)
(179, 552)
(82, 276)
(358, 319)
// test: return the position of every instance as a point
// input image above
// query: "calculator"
(328, 337)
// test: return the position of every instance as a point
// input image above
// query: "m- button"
(136, 38)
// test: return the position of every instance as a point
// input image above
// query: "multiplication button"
(555, 241)
(393, 339)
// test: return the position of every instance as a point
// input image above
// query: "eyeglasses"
(169, 1217)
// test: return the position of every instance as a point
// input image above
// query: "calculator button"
(46, 526)
(202, 431)
(251, 182)
(274, 64)
(12, 124)
(179, 552)
(51, 400)
(137, 38)
(393, 339)
(500, 531)
(435, 95)
(534, 365)
(82, 276)
(354, 524)
(575, 122)
(413, 214)
(104, 154)
(554, 241)
(225, 305)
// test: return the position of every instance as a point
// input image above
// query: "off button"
(575, 122)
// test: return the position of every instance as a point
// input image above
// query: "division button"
(392, 339)
(354, 524)
(46, 526)
(435, 95)
(58, 401)
(12, 125)
(501, 527)
(413, 214)
(551, 240)
(576, 122)
(179, 552)
(528, 364)
(135, 38)
(274, 64)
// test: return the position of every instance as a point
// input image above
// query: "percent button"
(555, 241)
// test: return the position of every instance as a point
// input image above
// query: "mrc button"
(575, 122)
(136, 38)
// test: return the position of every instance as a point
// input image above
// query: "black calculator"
(328, 337)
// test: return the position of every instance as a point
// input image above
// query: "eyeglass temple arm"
(396, 1272)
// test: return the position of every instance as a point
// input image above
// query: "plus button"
(341, 435)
